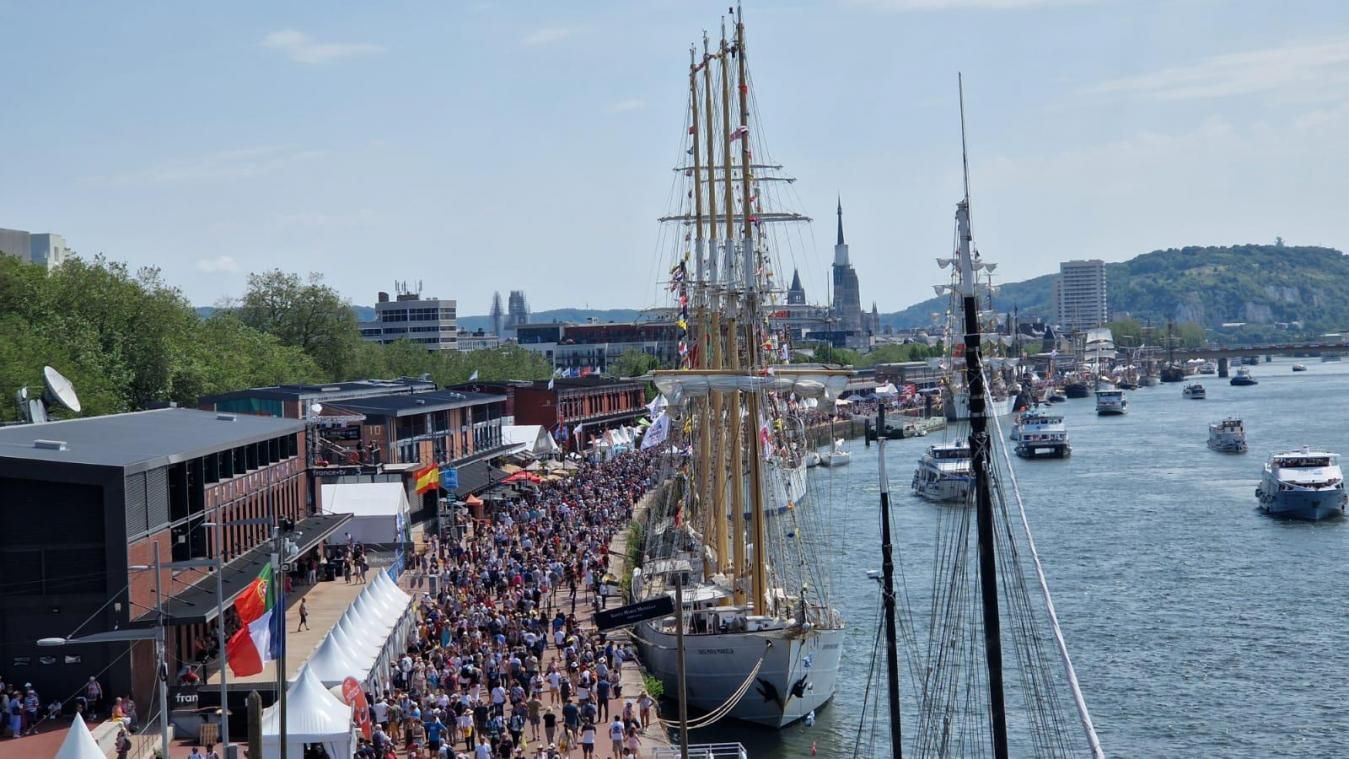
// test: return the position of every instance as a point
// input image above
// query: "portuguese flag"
(258, 641)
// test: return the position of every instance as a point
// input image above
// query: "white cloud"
(228, 164)
(218, 264)
(545, 36)
(946, 5)
(302, 48)
(1289, 69)
(631, 104)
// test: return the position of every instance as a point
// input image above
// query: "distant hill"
(471, 323)
(1255, 284)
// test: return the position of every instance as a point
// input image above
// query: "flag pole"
(278, 591)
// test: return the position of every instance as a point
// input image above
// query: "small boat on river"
(837, 456)
(1227, 436)
(1243, 378)
(1299, 367)
(1111, 403)
(1040, 435)
(944, 473)
(1302, 484)
(1194, 391)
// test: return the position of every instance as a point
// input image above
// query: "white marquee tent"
(313, 715)
(528, 438)
(379, 509)
(368, 637)
(79, 743)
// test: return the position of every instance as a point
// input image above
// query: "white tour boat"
(1227, 436)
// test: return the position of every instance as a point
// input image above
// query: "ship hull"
(1043, 450)
(1307, 505)
(716, 665)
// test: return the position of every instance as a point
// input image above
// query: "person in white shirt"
(616, 735)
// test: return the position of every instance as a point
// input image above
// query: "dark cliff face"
(1256, 284)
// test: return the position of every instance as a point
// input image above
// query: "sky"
(489, 146)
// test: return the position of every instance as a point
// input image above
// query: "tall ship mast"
(994, 677)
(733, 535)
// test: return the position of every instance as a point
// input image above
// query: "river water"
(1198, 626)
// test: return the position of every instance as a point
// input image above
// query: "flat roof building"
(84, 501)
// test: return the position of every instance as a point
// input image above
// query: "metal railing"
(703, 751)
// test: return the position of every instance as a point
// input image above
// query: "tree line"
(128, 340)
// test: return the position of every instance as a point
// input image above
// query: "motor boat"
(1194, 391)
(837, 456)
(1039, 435)
(1243, 377)
(1303, 484)
(1111, 403)
(1299, 367)
(1227, 436)
(944, 473)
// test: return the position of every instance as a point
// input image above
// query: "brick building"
(84, 501)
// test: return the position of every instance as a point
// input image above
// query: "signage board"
(606, 619)
(449, 478)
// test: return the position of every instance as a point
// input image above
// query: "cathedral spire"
(840, 220)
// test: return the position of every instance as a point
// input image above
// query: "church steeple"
(840, 220)
(796, 294)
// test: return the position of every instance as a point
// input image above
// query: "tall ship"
(729, 537)
(1302, 484)
(984, 657)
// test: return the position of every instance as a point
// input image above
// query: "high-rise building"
(46, 249)
(847, 306)
(1080, 295)
(17, 243)
(429, 321)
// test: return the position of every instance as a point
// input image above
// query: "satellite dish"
(59, 391)
(31, 410)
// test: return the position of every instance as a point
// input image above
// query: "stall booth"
(79, 743)
(369, 637)
(379, 510)
(313, 716)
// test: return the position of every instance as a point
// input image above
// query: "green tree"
(634, 363)
(304, 313)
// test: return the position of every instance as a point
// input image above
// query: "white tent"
(79, 743)
(379, 509)
(313, 715)
(528, 438)
(331, 664)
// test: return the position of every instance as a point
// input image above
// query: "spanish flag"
(428, 479)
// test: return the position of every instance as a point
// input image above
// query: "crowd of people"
(499, 665)
(23, 712)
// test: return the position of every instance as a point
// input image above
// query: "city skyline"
(403, 142)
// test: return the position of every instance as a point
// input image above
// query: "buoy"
(812, 748)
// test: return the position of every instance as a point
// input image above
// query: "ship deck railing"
(703, 751)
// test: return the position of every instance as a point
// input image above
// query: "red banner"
(354, 696)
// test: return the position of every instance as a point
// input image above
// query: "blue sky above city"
(482, 147)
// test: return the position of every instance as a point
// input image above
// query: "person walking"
(93, 697)
(616, 736)
(123, 744)
(304, 616)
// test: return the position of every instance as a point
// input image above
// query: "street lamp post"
(156, 634)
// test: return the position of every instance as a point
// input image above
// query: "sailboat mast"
(981, 460)
(888, 589)
(717, 503)
(700, 314)
(734, 453)
(749, 257)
